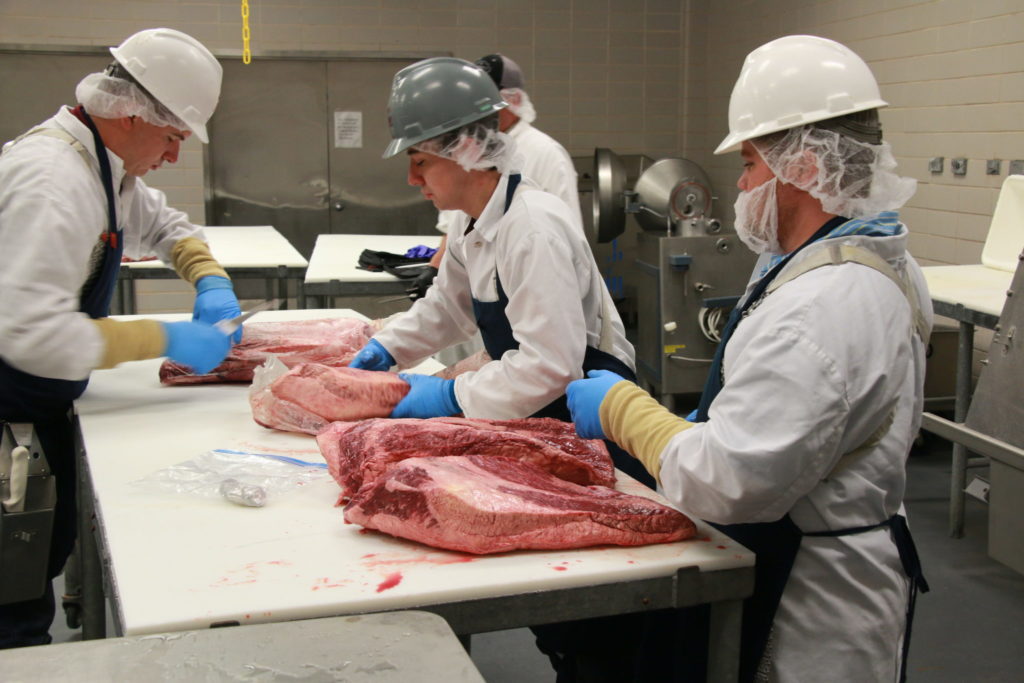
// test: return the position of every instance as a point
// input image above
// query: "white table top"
(180, 562)
(976, 287)
(336, 257)
(239, 246)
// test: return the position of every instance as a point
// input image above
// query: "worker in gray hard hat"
(799, 445)
(72, 202)
(543, 160)
(519, 270)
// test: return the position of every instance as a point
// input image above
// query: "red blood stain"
(706, 539)
(720, 547)
(391, 581)
(560, 569)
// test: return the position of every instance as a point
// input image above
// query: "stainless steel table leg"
(958, 475)
(724, 640)
(94, 611)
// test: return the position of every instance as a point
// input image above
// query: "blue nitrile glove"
(428, 396)
(197, 345)
(373, 356)
(692, 417)
(585, 397)
(216, 300)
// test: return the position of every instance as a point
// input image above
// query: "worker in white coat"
(72, 202)
(544, 161)
(519, 271)
(799, 445)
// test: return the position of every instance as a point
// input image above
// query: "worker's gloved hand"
(373, 356)
(419, 285)
(428, 396)
(197, 345)
(585, 397)
(216, 300)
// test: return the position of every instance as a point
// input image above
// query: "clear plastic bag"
(240, 477)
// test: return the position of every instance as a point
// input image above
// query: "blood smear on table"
(391, 581)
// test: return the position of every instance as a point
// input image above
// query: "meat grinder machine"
(687, 272)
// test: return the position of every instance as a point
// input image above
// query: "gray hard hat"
(503, 71)
(435, 96)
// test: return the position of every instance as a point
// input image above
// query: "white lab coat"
(555, 294)
(543, 161)
(810, 374)
(53, 209)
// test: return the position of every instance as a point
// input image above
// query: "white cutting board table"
(178, 562)
(245, 251)
(334, 265)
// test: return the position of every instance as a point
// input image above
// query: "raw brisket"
(310, 396)
(330, 341)
(358, 453)
(480, 504)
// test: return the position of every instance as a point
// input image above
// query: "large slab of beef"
(329, 341)
(310, 396)
(358, 453)
(480, 504)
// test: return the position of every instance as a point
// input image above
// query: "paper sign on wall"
(348, 129)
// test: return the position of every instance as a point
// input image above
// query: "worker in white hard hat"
(519, 270)
(72, 202)
(542, 159)
(799, 445)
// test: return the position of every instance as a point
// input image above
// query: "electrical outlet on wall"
(958, 166)
(935, 164)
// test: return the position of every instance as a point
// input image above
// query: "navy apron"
(776, 543)
(25, 397)
(46, 402)
(496, 331)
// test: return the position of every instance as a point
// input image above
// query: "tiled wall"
(647, 76)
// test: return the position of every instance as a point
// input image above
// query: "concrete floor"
(968, 628)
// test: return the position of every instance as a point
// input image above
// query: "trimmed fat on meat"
(330, 341)
(310, 396)
(486, 504)
(358, 453)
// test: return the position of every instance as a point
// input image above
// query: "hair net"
(851, 178)
(519, 103)
(110, 97)
(475, 146)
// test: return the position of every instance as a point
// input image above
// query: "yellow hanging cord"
(246, 54)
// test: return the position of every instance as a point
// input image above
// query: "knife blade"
(230, 325)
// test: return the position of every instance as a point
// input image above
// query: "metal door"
(285, 150)
(369, 195)
(266, 162)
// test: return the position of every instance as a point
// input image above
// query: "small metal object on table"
(245, 252)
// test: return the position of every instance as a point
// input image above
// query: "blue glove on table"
(199, 346)
(428, 396)
(585, 397)
(373, 356)
(216, 300)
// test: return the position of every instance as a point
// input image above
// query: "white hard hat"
(796, 80)
(177, 70)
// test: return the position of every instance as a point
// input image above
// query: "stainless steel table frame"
(276, 277)
(967, 319)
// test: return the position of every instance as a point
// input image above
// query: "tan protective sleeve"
(192, 260)
(130, 340)
(638, 423)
